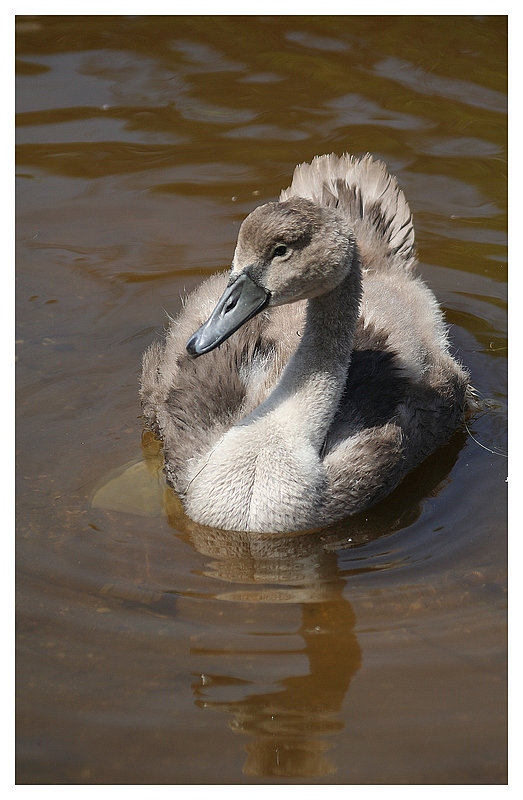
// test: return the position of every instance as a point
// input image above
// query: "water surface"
(154, 651)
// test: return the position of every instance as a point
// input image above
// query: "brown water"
(152, 651)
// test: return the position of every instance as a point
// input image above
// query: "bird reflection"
(291, 726)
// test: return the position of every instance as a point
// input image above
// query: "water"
(154, 651)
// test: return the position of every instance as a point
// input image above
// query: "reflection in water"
(292, 721)
(289, 726)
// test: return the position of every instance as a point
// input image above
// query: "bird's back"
(371, 200)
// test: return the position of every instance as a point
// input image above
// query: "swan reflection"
(292, 722)
(281, 683)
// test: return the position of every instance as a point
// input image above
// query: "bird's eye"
(280, 250)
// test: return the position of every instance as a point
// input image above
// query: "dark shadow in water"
(290, 725)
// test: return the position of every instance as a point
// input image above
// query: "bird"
(302, 386)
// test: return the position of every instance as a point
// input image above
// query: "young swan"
(340, 383)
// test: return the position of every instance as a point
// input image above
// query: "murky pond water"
(153, 651)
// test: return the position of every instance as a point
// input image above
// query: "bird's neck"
(309, 391)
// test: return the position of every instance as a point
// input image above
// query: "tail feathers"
(369, 196)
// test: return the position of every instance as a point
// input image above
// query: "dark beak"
(241, 301)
